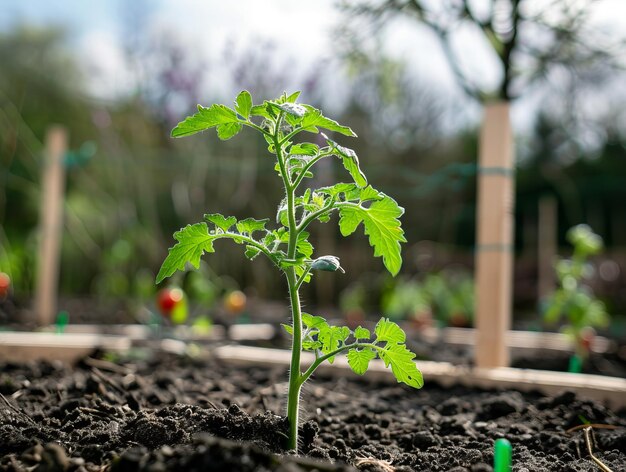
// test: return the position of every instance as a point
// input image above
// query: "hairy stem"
(249, 241)
(290, 135)
(316, 214)
(295, 384)
(256, 127)
(293, 394)
(302, 278)
(306, 168)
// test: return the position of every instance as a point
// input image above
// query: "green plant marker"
(575, 364)
(61, 322)
(502, 455)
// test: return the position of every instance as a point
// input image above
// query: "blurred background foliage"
(129, 186)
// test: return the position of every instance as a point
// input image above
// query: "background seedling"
(288, 247)
(573, 299)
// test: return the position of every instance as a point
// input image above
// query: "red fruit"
(5, 284)
(167, 299)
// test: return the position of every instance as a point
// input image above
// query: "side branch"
(256, 127)
(318, 360)
(307, 167)
(248, 241)
(316, 214)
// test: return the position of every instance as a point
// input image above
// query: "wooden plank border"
(608, 390)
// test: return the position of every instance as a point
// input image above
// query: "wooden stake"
(494, 250)
(51, 220)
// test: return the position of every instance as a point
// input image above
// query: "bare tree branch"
(563, 23)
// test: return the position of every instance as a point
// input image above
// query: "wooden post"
(494, 238)
(547, 247)
(51, 221)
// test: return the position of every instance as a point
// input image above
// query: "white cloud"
(105, 64)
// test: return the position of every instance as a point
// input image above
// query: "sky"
(97, 27)
(302, 33)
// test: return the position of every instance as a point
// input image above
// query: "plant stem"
(249, 241)
(295, 384)
(306, 168)
(302, 278)
(312, 216)
(320, 359)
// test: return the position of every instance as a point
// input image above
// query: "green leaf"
(331, 338)
(350, 161)
(314, 119)
(250, 225)
(318, 199)
(369, 193)
(243, 104)
(303, 247)
(311, 345)
(361, 333)
(205, 118)
(228, 130)
(389, 331)
(313, 322)
(342, 191)
(350, 192)
(293, 97)
(193, 242)
(260, 110)
(304, 198)
(307, 149)
(281, 214)
(359, 360)
(252, 252)
(381, 225)
(222, 222)
(402, 365)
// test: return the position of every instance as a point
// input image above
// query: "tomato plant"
(281, 122)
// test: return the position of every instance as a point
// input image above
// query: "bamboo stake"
(51, 218)
(494, 237)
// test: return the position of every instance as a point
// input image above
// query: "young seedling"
(573, 299)
(287, 246)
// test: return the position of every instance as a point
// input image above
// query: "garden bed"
(169, 413)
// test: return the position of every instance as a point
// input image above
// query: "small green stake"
(62, 320)
(575, 364)
(502, 455)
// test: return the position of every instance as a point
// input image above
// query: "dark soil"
(184, 414)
